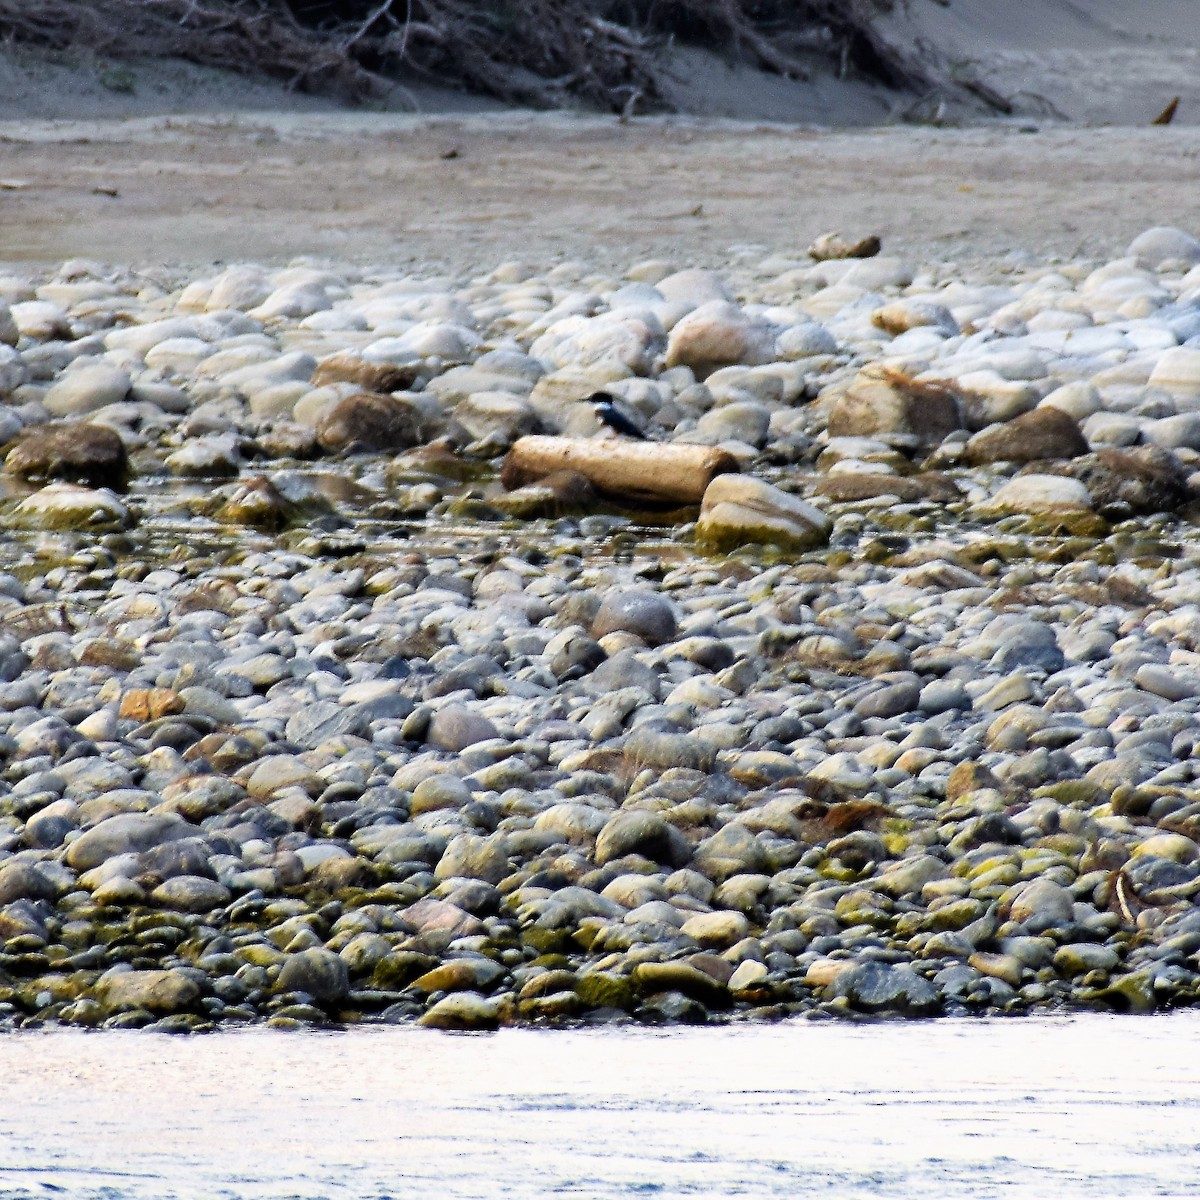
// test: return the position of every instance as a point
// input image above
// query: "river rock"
(469, 856)
(644, 833)
(902, 315)
(367, 423)
(239, 288)
(24, 881)
(69, 506)
(162, 992)
(716, 930)
(499, 417)
(881, 401)
(323, 720)
(215, 457)
(1078, 958)
(258, 503)
(1178, 372)
(91, 455)
(739, 509)
(907, 877)
(882, 987)
(643, 613)
(320, 973)
(380, 378)
(662, 749)
(191, 893)
(1161, 244)
(718, 334)
(462, 1010)
(732, 850)
(1040, 494)
(84, 389)
(455, 728)
(1134, 482)
(123, 834)
(1042, 904)
(1044, 433)
(1078, 399)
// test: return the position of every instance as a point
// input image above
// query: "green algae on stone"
(65, 506)
(605, 989)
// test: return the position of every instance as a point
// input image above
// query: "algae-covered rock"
(605, 989)
(70, 506)
(259, 504)
(318, 972)
(464, 1011)
(155, 991)
(740, 510)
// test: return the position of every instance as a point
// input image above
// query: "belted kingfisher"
(607, 413)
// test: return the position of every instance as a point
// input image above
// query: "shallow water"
(1064, 1107)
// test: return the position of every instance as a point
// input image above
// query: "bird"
(607, 413)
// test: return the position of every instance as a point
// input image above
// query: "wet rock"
(738, 510)
(92, 455)
(69, 506)
(318, 972)
(169, 991)
(462, 1010)
(883, 987)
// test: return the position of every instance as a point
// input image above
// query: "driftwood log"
(665, 473)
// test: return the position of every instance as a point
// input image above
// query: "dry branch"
(608, 53)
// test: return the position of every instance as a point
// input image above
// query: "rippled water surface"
(1082, 1107)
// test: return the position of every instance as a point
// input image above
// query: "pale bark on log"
(670, 473)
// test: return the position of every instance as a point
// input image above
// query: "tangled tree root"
(607, 53)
